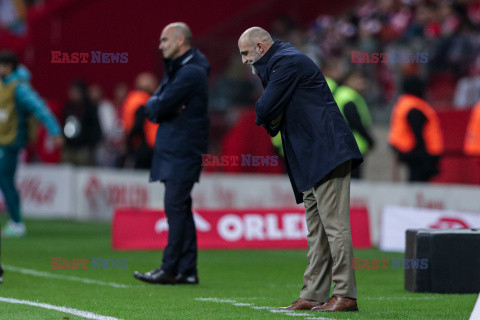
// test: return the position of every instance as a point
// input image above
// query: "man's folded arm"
(280, 88)
(170, 100)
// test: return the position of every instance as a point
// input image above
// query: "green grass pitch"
(234, 284)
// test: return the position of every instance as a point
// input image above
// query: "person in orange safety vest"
(140, 131)
(415, 132)
(472, 137)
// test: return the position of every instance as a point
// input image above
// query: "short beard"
(256, 57)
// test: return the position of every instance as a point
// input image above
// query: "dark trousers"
(8, 167)
(423, 169)
(180, 255)
(1, 270)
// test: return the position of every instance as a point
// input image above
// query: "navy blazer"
(180, 106)
(316, 138)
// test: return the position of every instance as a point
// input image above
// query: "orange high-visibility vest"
(401, 135)
(133, 101)
(472, 137)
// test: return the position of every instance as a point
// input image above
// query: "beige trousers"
(330, 249)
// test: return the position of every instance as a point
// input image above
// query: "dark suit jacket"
(316, 138)
(182, 136)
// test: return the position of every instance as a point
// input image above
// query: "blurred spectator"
(355, 110)
(81, 126)
(334, 73)
(19, 102)
(119, 94)
(472, 136)
(109, 148)
(12, 16)
(139, 130)
(415, 132)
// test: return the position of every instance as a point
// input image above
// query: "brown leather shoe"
(337, 303)
(302, 304)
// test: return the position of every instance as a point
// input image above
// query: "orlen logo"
(233, 227)
(34, 190)
(118, 194)
(201, 224)
(450, 223)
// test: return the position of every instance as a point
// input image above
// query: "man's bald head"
(253, 44)
(181, 29)
(256, 34)
(175, 40)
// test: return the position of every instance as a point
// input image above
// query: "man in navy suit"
(180, 107)
(320, 151)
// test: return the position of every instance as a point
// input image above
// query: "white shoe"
(14, 230)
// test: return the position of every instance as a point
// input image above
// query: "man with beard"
(320, 151)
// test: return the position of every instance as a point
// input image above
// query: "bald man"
(320, 151)
(180, 106)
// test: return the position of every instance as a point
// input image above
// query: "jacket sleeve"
(284, 77)
(168, 101)
(27, 98)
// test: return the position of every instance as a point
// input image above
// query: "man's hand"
(275, 122)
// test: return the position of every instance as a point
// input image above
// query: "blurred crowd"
(105, 133)
(446, 32)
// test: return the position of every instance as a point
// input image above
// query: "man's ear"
(259, 48)
(181, 40)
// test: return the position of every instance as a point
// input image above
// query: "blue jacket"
(182, 136)
(27, 103)
(316, 138)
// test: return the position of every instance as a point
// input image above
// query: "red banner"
(278, 228)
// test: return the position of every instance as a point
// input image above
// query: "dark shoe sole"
(153, 281)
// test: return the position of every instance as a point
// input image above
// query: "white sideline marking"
(476, 310)
(272, 310)
(64, 277)
(75, 312)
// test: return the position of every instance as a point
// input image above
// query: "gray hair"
(257, 34)
(182, 29)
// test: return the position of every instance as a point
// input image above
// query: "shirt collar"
(261, 63)
(173, 65)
